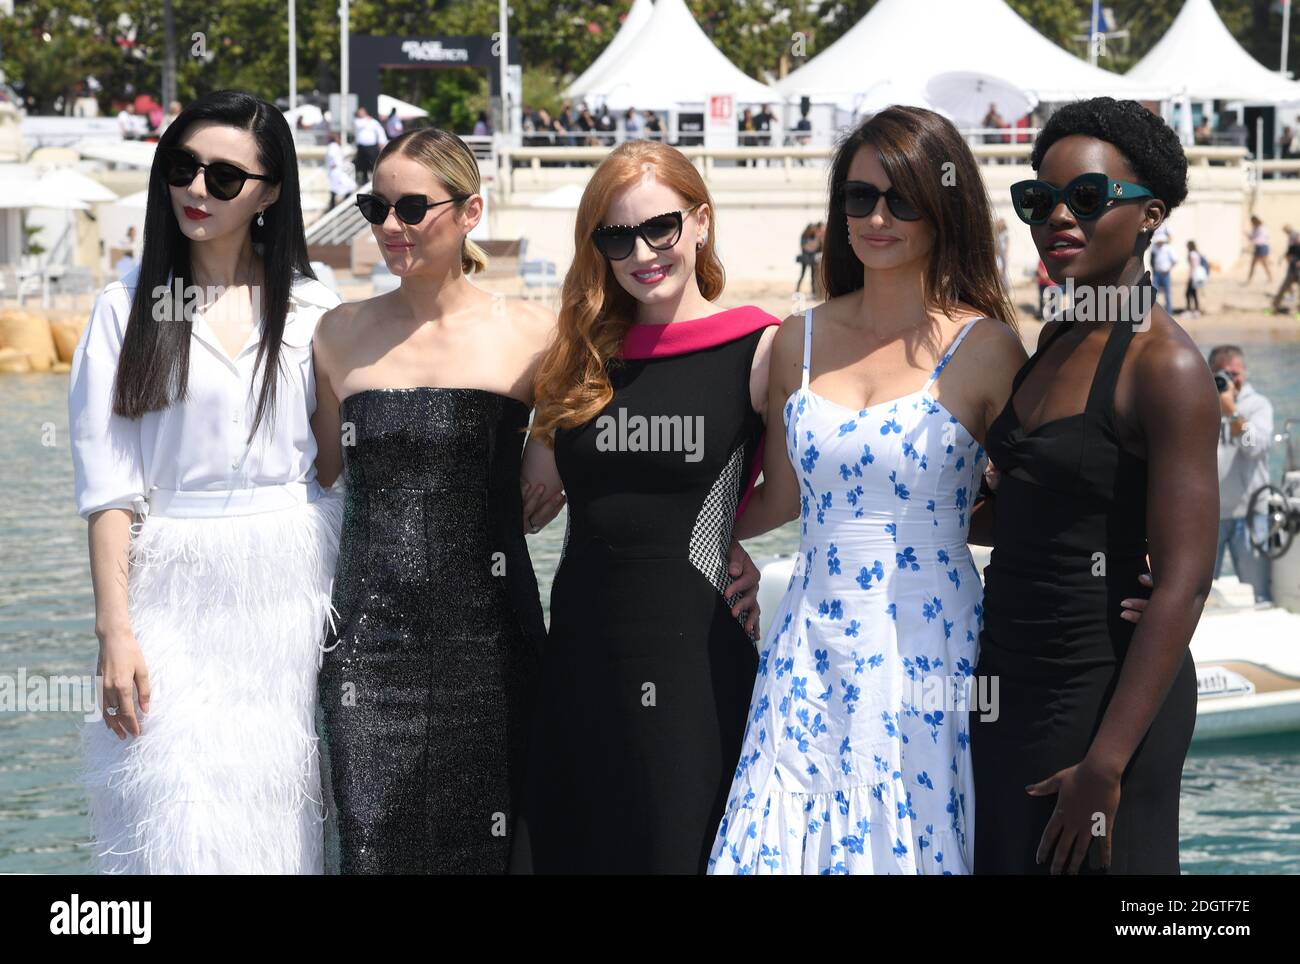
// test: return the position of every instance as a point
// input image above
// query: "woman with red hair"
(652, 402)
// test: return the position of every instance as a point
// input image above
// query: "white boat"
(1247, 656)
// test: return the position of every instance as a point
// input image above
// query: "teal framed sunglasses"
(1087, 196)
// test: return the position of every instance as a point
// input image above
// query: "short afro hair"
(1149, 144)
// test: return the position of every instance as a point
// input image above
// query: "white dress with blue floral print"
(856, 755)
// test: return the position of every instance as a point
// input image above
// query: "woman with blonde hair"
(653, 400)
(423, 395)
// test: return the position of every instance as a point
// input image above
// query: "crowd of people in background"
(144, 118)
(579, 126)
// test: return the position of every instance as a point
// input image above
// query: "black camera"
(1222, 380)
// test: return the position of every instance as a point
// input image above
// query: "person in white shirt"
(1162, 264)
(371, 136)
(212, 544)
(336, 172)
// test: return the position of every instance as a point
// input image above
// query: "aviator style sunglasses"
(411, 208)
(224, 180)
(1087, 196)
(861, 198)
(661, 232)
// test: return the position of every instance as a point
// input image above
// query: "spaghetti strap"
(807, 345)
(952, 348)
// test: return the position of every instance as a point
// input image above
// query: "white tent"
(405, 111)
(1198, 56)
(912, 41)
(670, 62)
(636, 18)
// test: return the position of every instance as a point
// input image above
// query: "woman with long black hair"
(212, 545)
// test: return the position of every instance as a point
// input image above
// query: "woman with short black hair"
(1106, 451)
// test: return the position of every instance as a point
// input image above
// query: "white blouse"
(193, 458)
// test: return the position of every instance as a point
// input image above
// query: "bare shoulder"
(787, 343)
(1166, 357)
(533, 320)
(340, 323)
(994, 342)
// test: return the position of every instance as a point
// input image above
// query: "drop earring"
(261, 221)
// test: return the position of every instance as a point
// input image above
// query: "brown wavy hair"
(915, 147)
(572, 381)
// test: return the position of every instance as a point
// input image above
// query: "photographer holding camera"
(1245, 434)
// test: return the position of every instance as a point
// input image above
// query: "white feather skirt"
(230, 614)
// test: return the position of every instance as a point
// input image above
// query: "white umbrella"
(889, 93)
(405, 111)
(309, 113)
(965, 96)
(68, 182)
(21, 190)
(53, 204)
(1186, 131)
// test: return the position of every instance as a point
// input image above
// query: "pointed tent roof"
(913, 40)
(671, 61)
(636, 19)
(1198, 54)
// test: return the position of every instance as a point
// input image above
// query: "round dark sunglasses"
(411, 208)
(661, 232)
(224, 181)
(861, 198)
(1087, 196)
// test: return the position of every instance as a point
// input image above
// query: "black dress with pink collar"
(646, 675)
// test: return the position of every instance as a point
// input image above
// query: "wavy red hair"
(572, 381)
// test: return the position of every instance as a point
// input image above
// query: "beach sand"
(1232, 309)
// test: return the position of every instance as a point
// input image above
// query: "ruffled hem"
(856, 830)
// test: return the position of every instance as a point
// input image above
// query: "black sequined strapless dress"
(427, 685)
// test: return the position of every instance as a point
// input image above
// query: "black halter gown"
(1054, 638)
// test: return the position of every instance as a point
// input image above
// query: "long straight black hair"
(928, 162)
(153, 368)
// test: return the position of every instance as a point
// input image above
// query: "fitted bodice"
(432, 438)
(666, 457)
(433, 511)
(1071, 487)
(904, 471)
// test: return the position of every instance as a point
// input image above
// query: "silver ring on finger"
(111, 710)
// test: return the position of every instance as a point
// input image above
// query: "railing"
(340, 224)
(792, 155)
